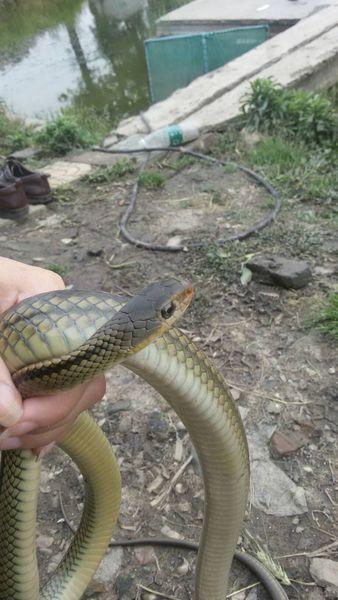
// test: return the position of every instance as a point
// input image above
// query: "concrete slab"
(63, 173)
(204, 90)
(313, 66)
(209, 15)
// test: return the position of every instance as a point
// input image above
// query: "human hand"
(39, 421)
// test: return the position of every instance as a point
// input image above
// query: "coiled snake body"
(53, 341)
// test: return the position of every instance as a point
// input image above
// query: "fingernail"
(11, 444)
(17, 430)
(41, 452)
(10, 405)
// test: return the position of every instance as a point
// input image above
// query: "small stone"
(250, 138)
(56, 559)
(110, 140)
(183, 568)
(166, 530)
(67, 241)
(284, 444)
(26, 153)
(123, 584)
(235, 393)
(273, 269)
(295, 520)
(119, 406)
(325, 572)
(316, 594)
(307, 469)
(179, 489)
(95, 251)
(274, 408)
(125, 423)
(174, 242)
(44, 543)
(109, 566)
(332, 370)
(158, 425)
(144, 555)
(244, 411)
(37, 210)
(299, 529)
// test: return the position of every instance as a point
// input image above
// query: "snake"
(55, 340)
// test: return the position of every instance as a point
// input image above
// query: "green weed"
(328, 321)
(113, 172)
(64, 194)
(58, 268)
(151, 179)
(63, 134)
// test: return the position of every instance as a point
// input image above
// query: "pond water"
(76, 52)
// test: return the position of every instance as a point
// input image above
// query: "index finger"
(10, 399)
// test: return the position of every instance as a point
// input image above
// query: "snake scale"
(53, 341)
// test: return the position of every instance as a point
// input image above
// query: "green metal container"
(174, 61)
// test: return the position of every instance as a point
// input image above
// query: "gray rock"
(273, 408)
(123, 585)
(26, 153)
(325, 572)
(272, 491)
(158, 425)
(109, 566)
(273, 269)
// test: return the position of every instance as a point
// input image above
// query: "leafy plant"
(270, 108)
(62, 135)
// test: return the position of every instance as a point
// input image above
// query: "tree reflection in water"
(106, 39)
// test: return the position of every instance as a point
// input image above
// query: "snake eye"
(168, 310)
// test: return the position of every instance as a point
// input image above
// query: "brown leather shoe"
(13, 200)
(35, 184)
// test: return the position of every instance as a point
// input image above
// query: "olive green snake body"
(53, 341)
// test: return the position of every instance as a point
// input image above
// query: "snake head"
(155, 309)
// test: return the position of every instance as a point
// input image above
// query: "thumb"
(10, 399)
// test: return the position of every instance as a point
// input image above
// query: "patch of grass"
(122, 167)
(226, 260)
(230, 168)
(296, 114)
(177, 164)
(75, 127)
(328, 321)
(64, 194)
(14, 135)
(274, 151)
(298, 241)
(152, 179)
(58, 268)
(298, 170)
(215, 195)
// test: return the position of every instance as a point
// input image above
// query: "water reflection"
(93, 57)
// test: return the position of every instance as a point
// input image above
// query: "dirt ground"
(281, 370)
